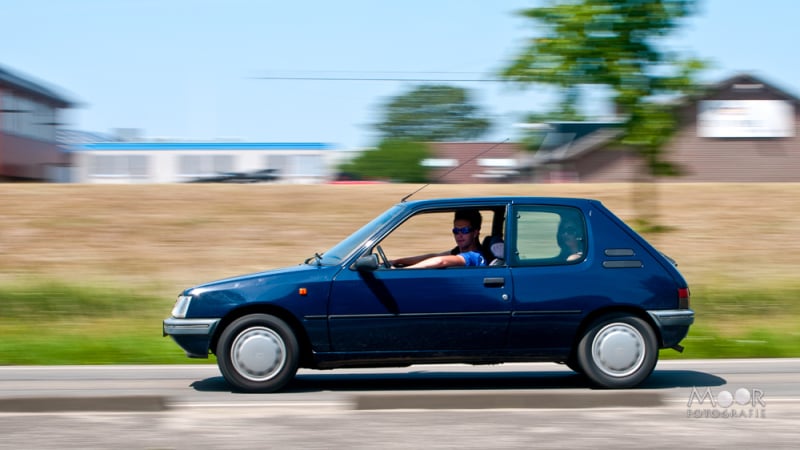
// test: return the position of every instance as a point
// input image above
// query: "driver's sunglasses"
(462, 230)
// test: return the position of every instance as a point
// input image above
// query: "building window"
(439, 162)
(121, 166)
(11, 113)
(308, 165)
(25, 117)
(281, 163)
(204, 165)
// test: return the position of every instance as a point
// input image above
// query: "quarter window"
(549, 235)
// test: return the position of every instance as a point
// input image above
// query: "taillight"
(683, 298)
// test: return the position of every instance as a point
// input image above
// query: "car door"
(445, 309)
(553, 280)
(451, 309)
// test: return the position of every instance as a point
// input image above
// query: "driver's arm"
(412, 260)
(439, 261)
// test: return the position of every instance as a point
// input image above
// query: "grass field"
(89, 271)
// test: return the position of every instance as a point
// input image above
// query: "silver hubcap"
(618, 349)
(258, 353)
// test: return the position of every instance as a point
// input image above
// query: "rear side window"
(548, 235)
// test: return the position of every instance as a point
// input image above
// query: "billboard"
(745, 119)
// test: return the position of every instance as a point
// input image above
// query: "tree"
(394, 160)
(425, 114)
(433, 113)
(613, 43)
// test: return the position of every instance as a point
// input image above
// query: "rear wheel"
(258, 353)
(618, 351)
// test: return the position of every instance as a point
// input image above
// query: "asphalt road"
(734, 403)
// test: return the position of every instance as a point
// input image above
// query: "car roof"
(477, 201)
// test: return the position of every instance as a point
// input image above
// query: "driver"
(466, 231)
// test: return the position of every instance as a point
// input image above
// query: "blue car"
(554, 279)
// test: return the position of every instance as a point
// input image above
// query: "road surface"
(691, 403)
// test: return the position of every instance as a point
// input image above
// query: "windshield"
(342, 250)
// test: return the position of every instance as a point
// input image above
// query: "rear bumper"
(673, 325)
(192, 335)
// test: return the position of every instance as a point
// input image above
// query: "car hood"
(292, 272)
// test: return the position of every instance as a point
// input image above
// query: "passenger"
(468, 252)
(570, 239)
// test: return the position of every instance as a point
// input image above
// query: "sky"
(199, 69)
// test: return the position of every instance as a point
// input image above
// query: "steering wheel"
(386, 262)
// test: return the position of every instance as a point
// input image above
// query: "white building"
(177, 162)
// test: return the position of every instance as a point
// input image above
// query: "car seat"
(494, 250)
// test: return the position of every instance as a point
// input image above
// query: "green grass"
(58, 323)
(759, 322)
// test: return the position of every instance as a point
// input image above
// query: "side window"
(422, 233)
(548, 235)
(432, 232)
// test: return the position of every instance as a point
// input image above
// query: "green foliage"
(614, 44)
(431, 113)
(743, 323)
(53, 322)
(128, 340)
(55, 299)
(393, 160)
(57, 323)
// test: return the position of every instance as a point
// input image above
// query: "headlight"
(181, 306)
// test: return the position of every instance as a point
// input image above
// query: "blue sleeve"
(473, 259)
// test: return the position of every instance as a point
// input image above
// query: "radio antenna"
(454, 168)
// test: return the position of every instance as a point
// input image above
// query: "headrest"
(497, 247)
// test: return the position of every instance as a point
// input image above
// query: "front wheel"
(618, 351)
(258, 353)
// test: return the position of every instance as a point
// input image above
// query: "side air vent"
(619, 252)
(626, 264)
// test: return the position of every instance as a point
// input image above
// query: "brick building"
(742, 129)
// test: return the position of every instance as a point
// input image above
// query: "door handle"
(494, 281)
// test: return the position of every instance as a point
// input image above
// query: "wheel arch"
(612, 310)
(265, 308)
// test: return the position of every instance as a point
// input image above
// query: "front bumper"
(192, 335)
(673, 325)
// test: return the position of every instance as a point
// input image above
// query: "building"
(178, 162)
(29, 118)
(476, 162)
(742, 129)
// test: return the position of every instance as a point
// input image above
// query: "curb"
(77, 404)
(510, 400)
(505, 400)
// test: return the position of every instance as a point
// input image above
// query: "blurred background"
(148, 146)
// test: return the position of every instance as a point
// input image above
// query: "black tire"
(572, 363)
(258, 353)
(618, 351)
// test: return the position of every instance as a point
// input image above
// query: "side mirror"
(368, 263)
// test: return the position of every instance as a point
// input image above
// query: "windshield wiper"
(317, 259)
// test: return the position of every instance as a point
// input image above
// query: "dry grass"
(167, 237)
